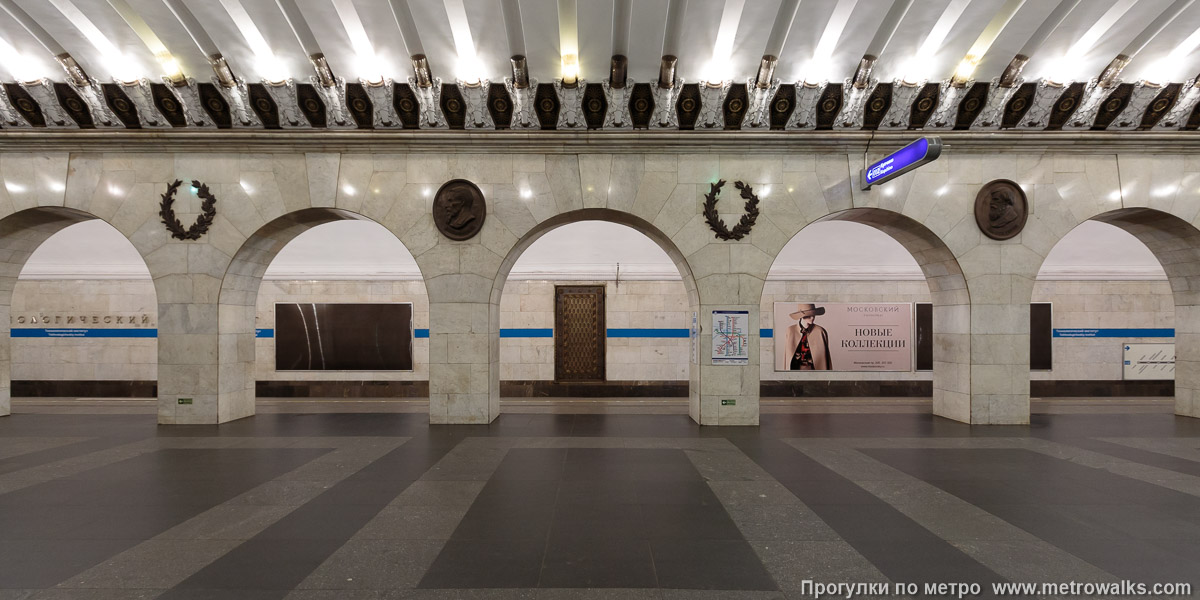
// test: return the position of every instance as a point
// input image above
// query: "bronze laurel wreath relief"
(714, 220)
(208, 210)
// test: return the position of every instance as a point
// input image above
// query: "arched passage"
(21, 233)
(576, 216)
(948, 294)
(1175, 243)
(237, 308)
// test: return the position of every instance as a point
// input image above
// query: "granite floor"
(383, 506)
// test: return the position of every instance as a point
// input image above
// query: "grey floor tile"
(228, 522)
(374, 565)
(96, 594)
(398, 522)
(781, 522)
(440, 493)
(284, 492)
(790, 563)
(745, 494)
(157, 564)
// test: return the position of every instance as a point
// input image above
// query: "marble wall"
(981, 288)
(1101, 305)
(51, 302)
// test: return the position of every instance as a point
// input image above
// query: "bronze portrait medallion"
(1001, 209)
(459, 209)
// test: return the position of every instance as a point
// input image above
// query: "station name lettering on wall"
(143, 320)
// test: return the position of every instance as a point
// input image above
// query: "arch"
(235, 343)
(1175, 243)
(587, 214)
(950, 298)
(20, 234)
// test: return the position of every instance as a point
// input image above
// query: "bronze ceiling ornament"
(1001, 209)
(742, 229)
(459, 209)
(208, 210)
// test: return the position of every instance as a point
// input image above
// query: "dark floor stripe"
(882, 534)
(281, 556)
(52, 531)
(1132, 529)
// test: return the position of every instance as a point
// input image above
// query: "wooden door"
(579, 333)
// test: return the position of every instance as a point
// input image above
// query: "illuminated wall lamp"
(570, 70)
(171, 69)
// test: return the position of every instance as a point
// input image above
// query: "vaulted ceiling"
(687, 64)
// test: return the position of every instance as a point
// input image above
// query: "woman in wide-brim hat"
(807, 342)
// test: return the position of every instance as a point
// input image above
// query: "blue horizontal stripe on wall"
(29, 332)
(766, 333)
(526, 333)
(1114, 333)
(649, 333)
(270, 333)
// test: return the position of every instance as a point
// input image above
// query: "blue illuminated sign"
(922, 151)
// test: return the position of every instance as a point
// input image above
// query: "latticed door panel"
(579, 333)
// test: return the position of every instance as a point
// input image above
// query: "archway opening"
(891, 313)
(322, 304)
(594, 311)
(82, 310)
(1103, 314)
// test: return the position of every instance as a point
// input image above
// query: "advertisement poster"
(730, 337)
(1149, 361)
(831, 336)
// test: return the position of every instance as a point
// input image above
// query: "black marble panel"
(341, 389)
(500, 106)
(1112, 106)
(1065, 106)
(1041, 336)
(829, 105)
(74, 106)
(849, 389)
(311, 104)
(23, 101)
(924, 336)
(593, 389)
(1162, 103)
(406, 105)
(109, 388)
(782, 106)
(1193, 121)
(687, 106)
(877, 106)
(545, 105)
(595, 105)
(454, 107)
(215, 105)
(360, 106)
(924, 105)
(737, 101)
(263, 105)
(971, 105)
(121, 105)
(168, 105)
(641, 105)
(1049, 388)
(1017, 106)
(343, 337)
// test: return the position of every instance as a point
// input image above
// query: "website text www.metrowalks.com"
(818, 589)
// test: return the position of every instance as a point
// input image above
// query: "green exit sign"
(728, 402)
(185, 400)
